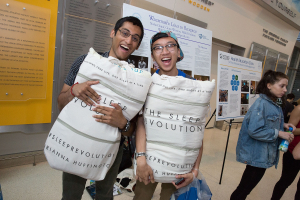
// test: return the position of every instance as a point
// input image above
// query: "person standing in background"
(126, 38)
(258, 141)
(290, 166)
(166, 52)
(288, 107)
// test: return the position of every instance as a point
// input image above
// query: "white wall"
(17, 142)
(238, 22)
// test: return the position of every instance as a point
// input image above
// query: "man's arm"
(197, 163)
(188, 178)
(82, 91)
(143, 171)
(132, 127)
(64, 97)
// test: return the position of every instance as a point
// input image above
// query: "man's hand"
(111, 116)
(188, 178)
(84, 92)
(144, 173)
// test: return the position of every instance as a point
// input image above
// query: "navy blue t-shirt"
(180, 73)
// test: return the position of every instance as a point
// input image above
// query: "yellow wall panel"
(16, 111)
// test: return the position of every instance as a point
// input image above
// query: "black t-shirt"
(288, 109)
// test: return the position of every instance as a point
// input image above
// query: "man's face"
(166, 59)
(123, 47)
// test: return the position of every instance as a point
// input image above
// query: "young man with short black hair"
(166, 52)
(126, 38)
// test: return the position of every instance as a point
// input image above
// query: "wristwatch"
(126, 128)
(136, 155)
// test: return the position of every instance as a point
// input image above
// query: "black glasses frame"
(159, 49)
(126, 33)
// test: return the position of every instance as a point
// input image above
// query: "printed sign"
(237, 81)
(194, 41)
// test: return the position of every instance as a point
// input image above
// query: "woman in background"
(262, 127)
(290, 166)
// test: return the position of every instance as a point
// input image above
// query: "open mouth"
(166, 60)
(125, 48)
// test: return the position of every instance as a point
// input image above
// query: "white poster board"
(194, 41)
(236, 85)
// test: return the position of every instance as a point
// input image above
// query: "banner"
(237, 81)
(194, 41)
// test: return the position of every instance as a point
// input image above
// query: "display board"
(194, 41)
(236, 85)
(27, 40)
(24, 41)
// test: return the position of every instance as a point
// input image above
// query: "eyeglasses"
(126, 33)
(159, 49)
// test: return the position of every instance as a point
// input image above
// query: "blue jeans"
(73, 185)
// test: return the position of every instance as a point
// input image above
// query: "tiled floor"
(43, 183)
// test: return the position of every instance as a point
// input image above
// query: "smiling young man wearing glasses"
(166, 52)
(126, 38)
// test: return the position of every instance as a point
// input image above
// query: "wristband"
(72, 88)
(139, 154)
(195, 169)
(126, 128)
(193, 174)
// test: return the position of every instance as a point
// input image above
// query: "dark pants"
(145, 192)
(73, 185)
(290, 169)
(251, 177)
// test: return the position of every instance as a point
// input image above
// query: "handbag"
(198, 189)
(79, 145)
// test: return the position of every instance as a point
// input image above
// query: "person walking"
(258, 141)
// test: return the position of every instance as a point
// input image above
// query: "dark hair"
(161, 35)
(290, 96)
(134, 21)
(270, 77)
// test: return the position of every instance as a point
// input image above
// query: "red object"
(295, 141)
(72, 88)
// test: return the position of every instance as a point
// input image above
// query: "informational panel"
(194, 41)
(87, 24)
(282, 63)
(258, 52)
(27, 47)
(24, 41)
(271, 60)
(237, 81)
